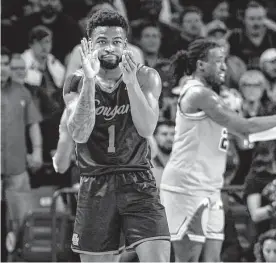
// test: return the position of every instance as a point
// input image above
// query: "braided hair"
(186, 61)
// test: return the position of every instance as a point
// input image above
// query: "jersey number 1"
(111, 140)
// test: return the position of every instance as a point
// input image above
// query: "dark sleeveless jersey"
(114, 144)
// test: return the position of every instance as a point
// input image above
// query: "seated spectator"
(250, 42)
(268, 67)
(151, 10)
(74, 62)
(66, 32)
(164, 136)
(191, 25)
(262, 173)
(252, 86)
(45, 76)
(265, 248)
(149, 40)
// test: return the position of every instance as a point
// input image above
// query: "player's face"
(18, 70)
(269, 250)
(110, 43)
(5, 68)
(150, 40)
(164, 138)
(215, 67)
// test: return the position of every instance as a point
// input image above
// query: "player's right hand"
(89, 59)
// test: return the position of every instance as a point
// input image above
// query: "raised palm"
(89, 59)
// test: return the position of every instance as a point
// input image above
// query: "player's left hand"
(128, 67)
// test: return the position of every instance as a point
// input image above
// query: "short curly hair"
(258, 248)
(108, 18)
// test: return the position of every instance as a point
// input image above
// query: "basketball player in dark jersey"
(112, 107)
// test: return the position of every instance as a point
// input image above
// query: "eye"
(101, 41)
(116, 42)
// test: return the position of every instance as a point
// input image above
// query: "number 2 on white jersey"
(111, 140)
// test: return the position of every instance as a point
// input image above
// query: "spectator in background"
(40, 62)
(221, 11)
(252, 86)
(149, 40)
(79, 9)
(17, 112)
(191, 25)
(268, 67)
(150, 10)
(66, 32)
(265, 248)
(45, 76)
(251, 41)
(163, 136)
(216, 30)
(74, 62)
(262, 173)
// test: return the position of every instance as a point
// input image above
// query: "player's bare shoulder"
(149, 79)
(200, 95)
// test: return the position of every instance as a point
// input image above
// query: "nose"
(223, 66)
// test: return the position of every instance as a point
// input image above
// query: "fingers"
(84, 46)
(128, 62)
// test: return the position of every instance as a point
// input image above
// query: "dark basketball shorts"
(117, 212)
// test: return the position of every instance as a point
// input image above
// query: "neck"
(110, 74)
(48, 20)
(200, 78)
(164, 158)
(151, 58)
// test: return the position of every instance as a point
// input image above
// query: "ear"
(200, 65)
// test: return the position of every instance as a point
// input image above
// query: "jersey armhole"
(193, 116)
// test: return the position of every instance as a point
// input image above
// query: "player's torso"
(114, 144)
(199, 153)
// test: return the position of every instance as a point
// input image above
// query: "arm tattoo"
(82, 116)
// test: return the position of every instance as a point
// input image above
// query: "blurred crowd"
(40, 40)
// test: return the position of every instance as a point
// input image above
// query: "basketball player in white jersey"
(193, 177)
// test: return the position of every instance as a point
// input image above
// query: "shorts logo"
(75, 239)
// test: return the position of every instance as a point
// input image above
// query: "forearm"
(81, 116)
(36, 138)
(261, 213)
(62, 157)
(263, 136)
(260, 124)
(144, 116)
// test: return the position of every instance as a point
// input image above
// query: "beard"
(165, 150)
(49, 11)
(108, 64)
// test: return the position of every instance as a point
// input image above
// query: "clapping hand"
(89, 59)
(128, 67)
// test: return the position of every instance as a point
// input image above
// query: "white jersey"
(198, 157)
